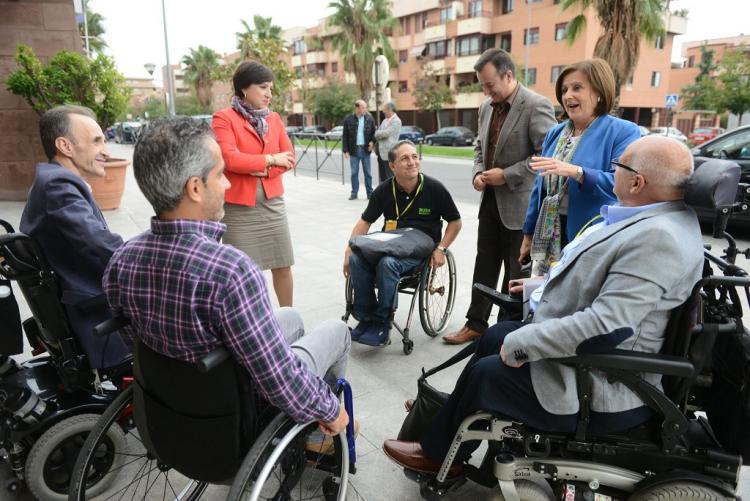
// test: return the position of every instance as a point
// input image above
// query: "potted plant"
(108, 190)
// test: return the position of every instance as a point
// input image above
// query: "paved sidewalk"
(321, 219)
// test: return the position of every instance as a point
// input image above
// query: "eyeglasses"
(626, 167)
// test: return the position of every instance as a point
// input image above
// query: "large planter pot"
(108, 190)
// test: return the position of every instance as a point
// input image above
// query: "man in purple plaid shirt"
(186, 294)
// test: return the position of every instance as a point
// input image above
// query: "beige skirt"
(261, 232)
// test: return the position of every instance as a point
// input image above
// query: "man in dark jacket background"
(356, 144)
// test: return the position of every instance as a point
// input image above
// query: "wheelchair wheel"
(110, 469)
(679, 491)
(279, 466)
(437, 293)
(49, 464)
(348, 298)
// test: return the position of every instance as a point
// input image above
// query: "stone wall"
(47, 26)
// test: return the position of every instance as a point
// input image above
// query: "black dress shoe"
(352, 197)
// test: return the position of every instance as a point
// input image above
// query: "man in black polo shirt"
(408, 200)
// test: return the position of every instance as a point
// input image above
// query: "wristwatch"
(443, 249)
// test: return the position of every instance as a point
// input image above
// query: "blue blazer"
(603, 142)
(62, 216)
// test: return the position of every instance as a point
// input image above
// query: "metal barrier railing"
(321, 155)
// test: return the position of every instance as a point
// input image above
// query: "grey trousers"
(325, 349)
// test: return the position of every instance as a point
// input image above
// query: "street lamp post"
(170, 77)
(86, 29)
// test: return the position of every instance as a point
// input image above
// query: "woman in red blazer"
(257, 152)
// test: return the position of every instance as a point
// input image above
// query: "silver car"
(670, 132)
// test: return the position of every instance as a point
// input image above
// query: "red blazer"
(244, 153)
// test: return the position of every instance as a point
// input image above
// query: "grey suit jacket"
(387, 135)
(522, 135)
(629, 274)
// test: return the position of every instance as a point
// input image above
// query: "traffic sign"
(671, 100)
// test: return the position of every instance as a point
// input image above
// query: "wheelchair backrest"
(199, 423)
(22, 260)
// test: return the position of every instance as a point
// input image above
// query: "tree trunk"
(437, 116)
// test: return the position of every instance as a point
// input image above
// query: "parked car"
(412, 133)
(644, 130)
(451, 136)
(335, 133)
(670, 132)
(313, 130)
(703, 134)
(292, 130)
(127, 132)
(733, 145)
(206, 119)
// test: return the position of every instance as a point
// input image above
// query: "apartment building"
(450, 35)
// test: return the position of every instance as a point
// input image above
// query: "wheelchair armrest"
(212, 359)
(109, 326)
(634, 361)
(508, 302)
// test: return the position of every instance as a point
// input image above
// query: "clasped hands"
(283, 160)
(491, 177)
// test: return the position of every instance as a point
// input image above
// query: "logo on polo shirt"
(424, 211)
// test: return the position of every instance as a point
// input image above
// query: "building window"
(439, 50)
(529, 77)
(403, 86)
(421, 21)
(555, 73)
(299, 46)
(403, 55)
(560, 30)
(406, 25)
(467, 46)
(691, 62)
(659, 43)
(475, 8)
(318, 69)
(507, 6)
(533, 1)
(446, 15)
(629, 84)
(299, 71)
(555, 2)
(488, 42)
(531, 36)
(655, 78)
(334, 67)
(505, 39)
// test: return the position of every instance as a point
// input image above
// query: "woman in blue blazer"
(575, 177)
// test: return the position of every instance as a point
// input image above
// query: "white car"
(670, 132)
(335, 133)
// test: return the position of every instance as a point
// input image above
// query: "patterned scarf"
(256, 117)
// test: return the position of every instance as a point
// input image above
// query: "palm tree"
(264, 30)
(201, 65)
(624, 23)
(94, 21)
(363, 25)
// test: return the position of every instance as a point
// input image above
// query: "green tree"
(734, 80)
(624, 23)
(188, 105)
(265, 45)
(431, 93)
(201, 68)
(703, 93)
(333, 101)
(94, 20)
(69, 78)
(362, 35)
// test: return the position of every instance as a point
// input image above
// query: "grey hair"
(391, 106)
(168, 153)
(56, 123)
(667, 163)
(394, 149)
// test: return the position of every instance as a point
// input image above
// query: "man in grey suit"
(512, 124)
(614, 287)
(387, 136)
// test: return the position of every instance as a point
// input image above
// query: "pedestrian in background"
(257, 152)
(575, 176)
(386, 137)
(356, 145)
(513, 122)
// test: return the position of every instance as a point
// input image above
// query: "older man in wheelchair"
(413, 206)
(222, 385)
(572, 398)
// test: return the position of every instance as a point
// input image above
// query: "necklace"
(578, 132)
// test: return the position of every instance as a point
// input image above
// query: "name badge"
(390, 224)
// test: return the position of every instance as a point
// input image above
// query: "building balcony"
(437, 32)
(437, 66)
(676, 25)
(316, 57)
(297, 60)
(474, 25)
(468, 100)
(298, 108)
(465, 64)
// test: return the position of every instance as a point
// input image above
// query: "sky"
(135, 36)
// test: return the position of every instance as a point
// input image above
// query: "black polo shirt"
(432, 204)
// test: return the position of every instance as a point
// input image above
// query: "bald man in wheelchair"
(614, 287)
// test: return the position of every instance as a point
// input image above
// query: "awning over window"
(417, 51)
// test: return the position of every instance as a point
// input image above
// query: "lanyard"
(583, 228)
(408, 206)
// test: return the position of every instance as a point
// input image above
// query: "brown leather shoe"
(409, 404)
(411, 456)
(463, 336)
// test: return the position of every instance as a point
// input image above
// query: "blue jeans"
(360, 153)
(384, 276)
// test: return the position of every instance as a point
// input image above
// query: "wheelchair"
(49, 403)
(689, 450)
(179, 427)
(435, 288)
